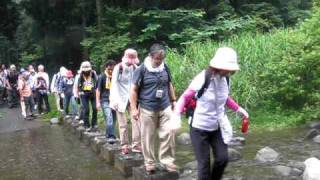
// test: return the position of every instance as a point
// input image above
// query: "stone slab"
(139, 173)
(108, 152)
(97, 142)
(125, 163)
(80, 131)
(87, 136)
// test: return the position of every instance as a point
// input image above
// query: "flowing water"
(35, 150)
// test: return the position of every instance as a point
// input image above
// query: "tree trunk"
(99, 15)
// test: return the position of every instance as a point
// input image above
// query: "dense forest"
(277, 42)
(54, 32)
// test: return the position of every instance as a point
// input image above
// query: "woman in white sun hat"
(210, 127)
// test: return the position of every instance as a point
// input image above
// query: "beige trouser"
(57, 98)
(123, 130)
(150, 121)
(23, 109)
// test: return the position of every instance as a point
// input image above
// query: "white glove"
(62, 95)
(243, 112)
(174, 122)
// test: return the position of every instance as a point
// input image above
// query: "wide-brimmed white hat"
(85, 66)
(226, 59)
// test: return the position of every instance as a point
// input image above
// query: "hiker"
(86, 88)
(152, 88)
(11, 86)
(66, 91)
(56, 80)
(103, 103)
(210, 127)
(32, 83)
(27, 103)
(42, 89)
(119, 100)
(2, 85)
(75, 91)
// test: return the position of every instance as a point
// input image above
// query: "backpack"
(121, 69)
(43, 85)
(192, 104)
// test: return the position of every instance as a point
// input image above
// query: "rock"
(191, 165)
(108, 151)
(314, 125)
(297, 165)
(233, 154)
(317, 139)
(312, 171)
(97, 142)
(315, 153)
(311, 134)
(139, 173)
(54, 121)
(125, 163)
(184, 139)
(237, 141)
(282, 170)
(296, 172)
(267, 155)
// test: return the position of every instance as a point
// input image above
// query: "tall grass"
(254, 52)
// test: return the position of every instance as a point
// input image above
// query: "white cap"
(226, 59)
(12, 67)
(85, 66)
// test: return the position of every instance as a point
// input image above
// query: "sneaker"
(67, 116)
(76, 118)
(111, 140)
(124, 151)
(170, 167)
(136, 149)
(81, 122)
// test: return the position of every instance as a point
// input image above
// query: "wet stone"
(74, 127)
(282, 170)
(311, 134)
(108, 152)
(97, 142)
(125, 163)
(317, 139)
(267, 155)
(233, 155)
(184, 139)
(87, 136)
(314, 125)
(54, 121)
(139, 173)
(80, 131)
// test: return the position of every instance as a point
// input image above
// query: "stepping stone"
(80, 130)
(139, 173)
(74, 127)
(125, 163)
(87, 136)
(108, 152)
(97, 142)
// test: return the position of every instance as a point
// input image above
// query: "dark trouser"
(85, 100)
(13, 97)
(29, 103)
(202, 141)
(41, 98)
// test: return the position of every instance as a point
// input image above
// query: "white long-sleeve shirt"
(120, 86)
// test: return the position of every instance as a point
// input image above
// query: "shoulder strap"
(206, 83)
